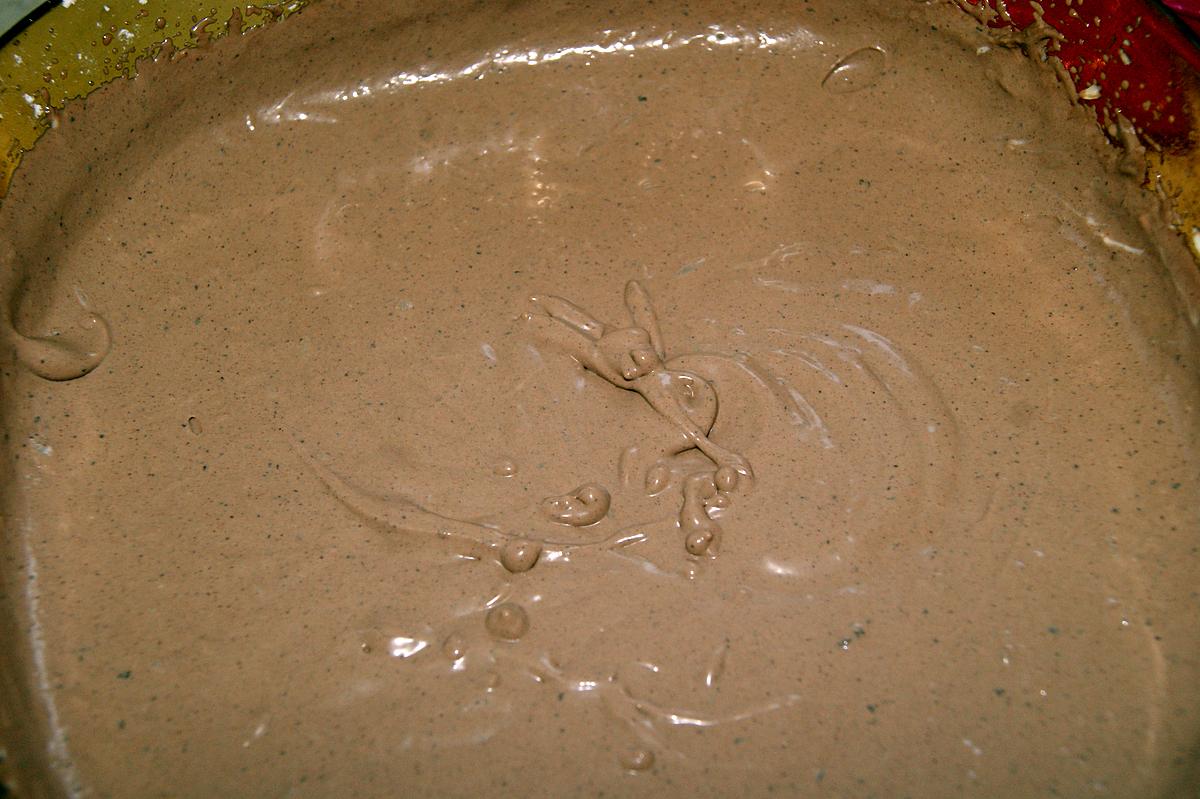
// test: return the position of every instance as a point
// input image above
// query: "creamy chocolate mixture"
(642, 400)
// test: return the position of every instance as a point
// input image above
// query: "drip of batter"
(634, 358)
(582, 507)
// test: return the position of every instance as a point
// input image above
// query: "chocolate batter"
(645, 400)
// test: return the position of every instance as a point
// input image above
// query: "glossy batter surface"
(548, 399)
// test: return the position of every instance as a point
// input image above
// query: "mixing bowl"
(1131, 62)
